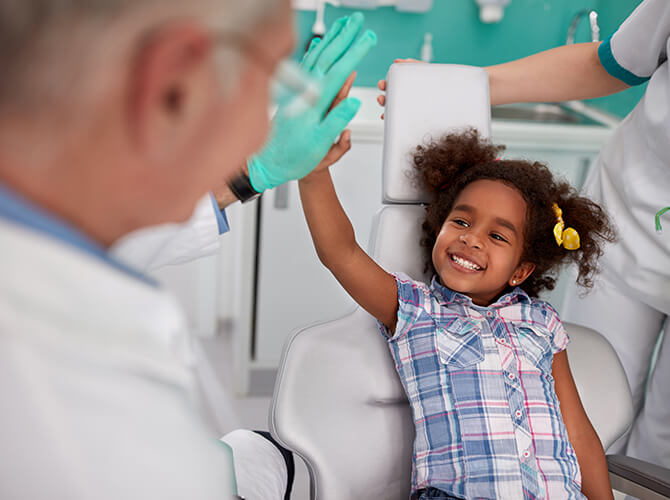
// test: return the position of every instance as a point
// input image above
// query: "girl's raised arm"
(369, 285)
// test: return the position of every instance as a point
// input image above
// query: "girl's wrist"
(315, 176)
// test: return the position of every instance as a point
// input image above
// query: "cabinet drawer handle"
(281, 196)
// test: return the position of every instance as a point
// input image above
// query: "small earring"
(513, 282)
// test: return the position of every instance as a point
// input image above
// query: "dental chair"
(338, 402)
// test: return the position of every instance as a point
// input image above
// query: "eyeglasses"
(291, 87)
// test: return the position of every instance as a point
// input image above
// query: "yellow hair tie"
(569, 237)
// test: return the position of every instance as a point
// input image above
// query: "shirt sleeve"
(559, 336)
(412, 296)
(169, 244)
(634, 51)
(220, 214)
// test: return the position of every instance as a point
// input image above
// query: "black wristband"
(242, 188)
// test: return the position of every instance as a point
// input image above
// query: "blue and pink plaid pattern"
(487, 418)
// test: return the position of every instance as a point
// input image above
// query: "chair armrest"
(639, 478)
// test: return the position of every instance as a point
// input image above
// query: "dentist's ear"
(168, 91)
(521, 273)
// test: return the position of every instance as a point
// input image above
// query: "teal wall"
(528, 26)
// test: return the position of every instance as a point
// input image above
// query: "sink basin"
(565, 113)
(535, 112)
(570, 113)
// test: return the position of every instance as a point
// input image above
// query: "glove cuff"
(257, 175)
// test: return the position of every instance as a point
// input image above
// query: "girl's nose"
(471, 239)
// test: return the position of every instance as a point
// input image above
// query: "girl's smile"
(464, 263)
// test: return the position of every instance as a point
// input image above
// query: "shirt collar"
(448, 296)
(20, 211)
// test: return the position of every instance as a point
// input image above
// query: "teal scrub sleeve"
(639, 46)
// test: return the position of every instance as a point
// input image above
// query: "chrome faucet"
(593, 21)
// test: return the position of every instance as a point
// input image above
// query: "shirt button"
(518, 413)
(526, 454)
(511, 376)
(489, 314)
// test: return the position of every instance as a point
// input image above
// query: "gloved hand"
(297, 143)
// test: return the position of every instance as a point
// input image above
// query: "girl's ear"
(522, 272)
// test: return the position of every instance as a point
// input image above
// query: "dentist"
(116, 115)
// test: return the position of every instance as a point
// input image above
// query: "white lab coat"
(99, 395)
(631, 178)
(168, 244)
(100, 380)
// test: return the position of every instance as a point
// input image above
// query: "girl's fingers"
(344, 91)
(336, 151)
(342, 145)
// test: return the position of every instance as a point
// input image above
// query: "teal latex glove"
(298, 143)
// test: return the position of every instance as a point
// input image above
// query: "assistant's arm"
(561, 74)
(565, 73)
(585, 441)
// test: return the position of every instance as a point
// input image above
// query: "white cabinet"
(293, 288)
(571, 166)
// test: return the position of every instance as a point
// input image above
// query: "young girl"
(482, 360)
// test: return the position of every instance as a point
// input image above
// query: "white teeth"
(465, 263)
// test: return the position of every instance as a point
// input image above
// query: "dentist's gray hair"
(55, 51)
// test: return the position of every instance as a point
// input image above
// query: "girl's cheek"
(433, 257)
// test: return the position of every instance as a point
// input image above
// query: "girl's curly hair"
(444, 167)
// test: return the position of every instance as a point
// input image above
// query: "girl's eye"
(496, 236)
(460, 222)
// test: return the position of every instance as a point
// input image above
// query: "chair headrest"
(425, 101)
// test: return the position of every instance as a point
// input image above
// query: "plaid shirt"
(487, 418)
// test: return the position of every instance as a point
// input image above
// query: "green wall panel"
(528, 26)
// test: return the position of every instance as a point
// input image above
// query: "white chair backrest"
(424, 101)
(601, 383)
(338, 402)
